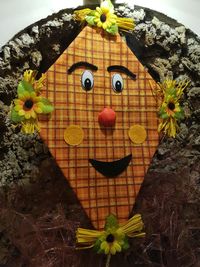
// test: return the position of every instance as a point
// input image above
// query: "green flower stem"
(108, 260)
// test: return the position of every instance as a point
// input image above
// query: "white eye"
(87, 80)
(117, 83)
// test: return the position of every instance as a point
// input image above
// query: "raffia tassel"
(126, 24)
(81, 14)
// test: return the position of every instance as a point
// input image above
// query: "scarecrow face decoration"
(103, 131)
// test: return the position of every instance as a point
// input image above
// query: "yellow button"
(73, 135)
(137, 134)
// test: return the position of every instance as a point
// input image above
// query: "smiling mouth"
(111, 169)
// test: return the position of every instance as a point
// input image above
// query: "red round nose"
(107, 117)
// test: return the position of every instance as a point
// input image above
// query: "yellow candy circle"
(73, 135)
(137, 134)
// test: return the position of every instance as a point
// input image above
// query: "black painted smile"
(111, 169)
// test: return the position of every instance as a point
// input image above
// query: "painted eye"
(87, 80)
(117, 83)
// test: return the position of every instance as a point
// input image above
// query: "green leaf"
(111, 222)
(20, 89)
(97, 246)
(113, 29)
(125, 245)
(92, 13)
(110, 5)
(15, 116)
(24, 86)
(90, 20)
(171, 91)
(47, 107)
(162, 114)
(179, 115)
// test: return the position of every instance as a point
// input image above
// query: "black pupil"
(28, 104)
(103, 18)
(110, 238)
(171, 106)
(87, 84)
(118, 86)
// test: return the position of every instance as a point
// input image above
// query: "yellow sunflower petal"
(112, 20)
(27, 114)
(98, 9)
(99, 24)
(104, 245)
(18, 107)
(117, 246)
(37, 109)
(33, 114)
(113, 250)
(21, 112)
(18, 102)
(105, 10)
(97, 14)
(105, 26)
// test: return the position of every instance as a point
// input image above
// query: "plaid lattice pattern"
(99, 195)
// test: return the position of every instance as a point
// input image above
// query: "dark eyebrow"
(123, 69)
(81, 64)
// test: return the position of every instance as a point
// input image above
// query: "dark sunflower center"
(28, 104)
(103, 18)
(110, 238)
(171, 106)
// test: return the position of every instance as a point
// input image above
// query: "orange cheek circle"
(73, 135)
(137, 134)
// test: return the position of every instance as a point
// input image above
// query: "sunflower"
(171, 108)
(114, 237)
(170, 111)
(29, 103)
(104, 16)
(112, 241)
